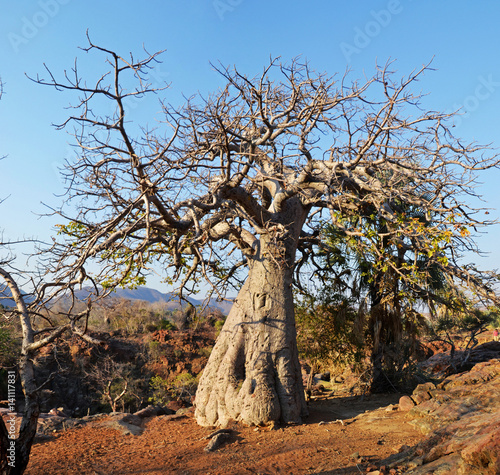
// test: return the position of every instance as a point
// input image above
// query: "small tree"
(330, 329)
(37, 331)
(112, 380)
(469, 323)
(371, 271)
(244, 179)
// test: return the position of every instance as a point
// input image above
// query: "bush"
(10, 347)
(166, 324)
(155, 349)
(330, 331)
(160, 391)
(218, 326)
(183, 386)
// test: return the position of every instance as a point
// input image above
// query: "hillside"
(6, 297)
(141, 293)
(152, 296)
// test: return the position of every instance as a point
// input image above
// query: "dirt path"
(323, 445)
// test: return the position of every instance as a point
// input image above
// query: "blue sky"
(460, 37)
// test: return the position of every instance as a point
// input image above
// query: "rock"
(217, 441)
(356, 458)
(323, 376)
(124, 427)
(175, 405)
(184, 411)
(171, 417)
(462, 424)
(483, 449)
(423, 392)
(406, 403)
(132, 419)
(217, 432)
(152, 411)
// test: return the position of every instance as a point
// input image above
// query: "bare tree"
(38, 330)
(111, 379)
(241, 182)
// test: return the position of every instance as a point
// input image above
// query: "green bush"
(184, 384)
(330, 332)
(166, 324)
(155, 349)
(218, 326)
(10, 347)
(160, 391)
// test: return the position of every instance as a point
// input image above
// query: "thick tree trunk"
(253, 373)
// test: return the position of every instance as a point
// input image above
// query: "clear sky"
(462, 39)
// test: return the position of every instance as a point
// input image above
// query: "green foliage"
(218, 326)
(160, 391)
(184, 384)
(329, 330)
(155, 349)
(471, 321)
(495, 316)
(163, 390)
(166, 324)
(10, 346)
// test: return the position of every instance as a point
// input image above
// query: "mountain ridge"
(146, 294)
(152, 296)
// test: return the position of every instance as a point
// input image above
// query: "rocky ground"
(451, 426)
(461, 420)
(339, 437)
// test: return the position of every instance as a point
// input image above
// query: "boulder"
(406, 403)
(152, 411)
(461, 418)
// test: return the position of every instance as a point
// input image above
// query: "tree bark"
(28, 428)
(253, 373)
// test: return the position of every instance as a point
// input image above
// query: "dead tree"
(111, 379)
(235, 188)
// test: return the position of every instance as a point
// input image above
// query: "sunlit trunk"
(253, 374)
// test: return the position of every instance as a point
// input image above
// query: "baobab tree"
(236, 187)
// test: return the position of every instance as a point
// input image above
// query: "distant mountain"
(6, 298)
(152, 296)
(141, 293)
